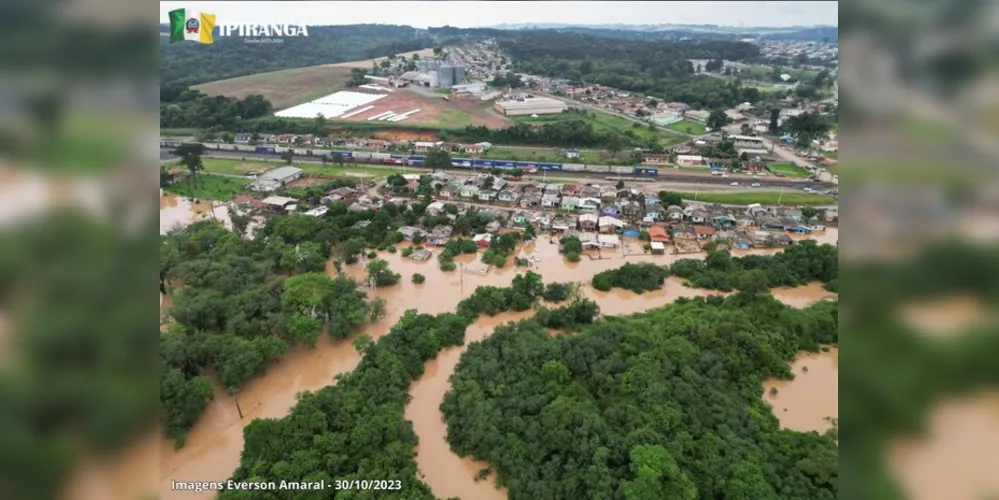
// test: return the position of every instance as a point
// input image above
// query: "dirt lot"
(434, 111)
(306, 182)
(367, 63)
(283, 88)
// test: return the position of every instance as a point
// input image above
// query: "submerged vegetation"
(799, 264)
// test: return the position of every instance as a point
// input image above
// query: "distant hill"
(676, 30)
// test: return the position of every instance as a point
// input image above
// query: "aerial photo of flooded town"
(544, 251)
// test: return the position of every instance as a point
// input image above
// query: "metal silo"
(459, 75)
(434, 79)
(446, 75)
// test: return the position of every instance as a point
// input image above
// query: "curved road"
(665, 175)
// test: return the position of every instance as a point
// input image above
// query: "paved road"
(664, 174)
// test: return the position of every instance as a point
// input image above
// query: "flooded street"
(802, 296)
(178, 211)
(949, 316)
(957, 459)
(214, 444)
(804, 404)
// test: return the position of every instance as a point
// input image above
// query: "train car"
(170, 144)
(416, 163)
(504, 164)
(622, 170)
(646, 171)
(551, 166)
(227, 147)
(393, 161)
(596, 168)
(418, 157)
(245, 148)
(573, 167)
(265, 149)
(300, 151)
(380, 156)
(461, 162)
(482, 164)
(399, 157)
(343, 154)
(528, 164)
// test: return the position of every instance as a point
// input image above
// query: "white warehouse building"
(531, 106)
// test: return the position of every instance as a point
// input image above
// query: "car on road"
(724, 176)
(762, 174)
(755, 185)
(734, 184)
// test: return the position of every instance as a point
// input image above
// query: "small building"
(690, 160)
(423, 147)
(589, 205)
(569, 203)
(588, 222)
(550, 200)
(482, 240)
(439, 235)
(658, 248)
(610, 209)
(410, 232)
(704, 232)
(658, 233)
(469, 191)
(521, 218)
(317, 212)
(280, 203)
(276, 178)
(610, 224)
(530, 106)
(486, 195)
(530, 200)
(571, 153)
(507, 196)
(674, 214)
(683, 232)
(421, 254)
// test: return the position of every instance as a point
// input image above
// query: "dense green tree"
(380, 275)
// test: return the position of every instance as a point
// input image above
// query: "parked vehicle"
(755, 185)
(734, 184)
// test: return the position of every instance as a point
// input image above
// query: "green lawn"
(208, 187)
(688, 127)
(606, 122)
(443, 91)
(832, 155)
(454, 119)
(763, 198)
(788, 170)
(240, 167)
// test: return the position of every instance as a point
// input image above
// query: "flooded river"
(214, 444)
(805, 403)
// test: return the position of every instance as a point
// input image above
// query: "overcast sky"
(474, 14)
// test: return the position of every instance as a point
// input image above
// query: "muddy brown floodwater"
(214, 444)
(802, 296)
(805, 403)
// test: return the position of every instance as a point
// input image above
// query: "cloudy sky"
(473, 14)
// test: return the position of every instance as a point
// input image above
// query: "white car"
(762, 174)
(755, 185)
(734, 184)
(724, 176)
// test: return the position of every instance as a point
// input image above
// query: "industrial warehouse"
(435, 74)
(531, 106)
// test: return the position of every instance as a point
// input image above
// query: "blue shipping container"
(416, 163)
(344, 154)
(527, 164)
(639, 171)
(551, 166)
(652, 171)
(398, 156)
(504, 164)
(265, 149)
(418, 157)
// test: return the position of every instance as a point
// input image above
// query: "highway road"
(665, 175)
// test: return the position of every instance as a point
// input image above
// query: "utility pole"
(781, 197)
(697, 190)
(232, 390)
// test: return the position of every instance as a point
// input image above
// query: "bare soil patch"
(306, 182)
(283, 88)
(433, 111)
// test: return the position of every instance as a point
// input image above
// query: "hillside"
(191, 63)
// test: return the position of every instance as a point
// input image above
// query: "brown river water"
(214, 444)
(805, 403)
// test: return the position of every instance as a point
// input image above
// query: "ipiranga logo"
(197, 26)
(187, 24)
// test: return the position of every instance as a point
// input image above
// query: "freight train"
(418, 160)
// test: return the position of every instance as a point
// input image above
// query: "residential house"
(507, 196)
(286, 139)
(563, 223)
(608, 224)
(307, 139)
(781, 239)
(610, 209)
(690, 160)
(629, 208)
(499, 184)
(658, 248)
(530, 200)
(745, 222)
(470, 191)
(655, 159)
(242, 138)
(440, 235)
(553, 188)
(704, 232)
(608, 193)
(788, 212)
(832, 215)
(280, 203)
(724, 222)
(589, 205)
(482, 240)
(410, 232)
(343, 195)
(436, 208)
(799, 229)
(486, 195)
(521, 218)
(571, 190)
(588, 222)
(768, 223)
(674, 214)
(589, 192)
(623, 194)
(569, 203)
(698, 216)
(698, 116)
(650, 218)
(658, 233)
(550, 200)
(571, 153)
(683, 232)
(756, 210)
(475, 149)
(423, 147)
(759, 239)
(493, 226)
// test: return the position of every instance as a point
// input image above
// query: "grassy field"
(788, 170)
(283, 88)
(763, 198)
(454, 119)
(208, 187)
(832, 155)
(541, 153)
(240, 167)
(605, 122)
(688, 127)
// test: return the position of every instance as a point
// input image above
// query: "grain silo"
(446, 76)
(459, 75)
(434, 79)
